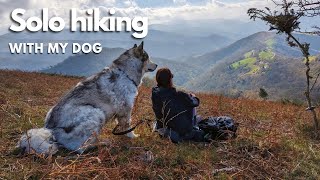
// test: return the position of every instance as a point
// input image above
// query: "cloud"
(158, 11)
(211, 10)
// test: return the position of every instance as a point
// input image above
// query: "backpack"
(219, 128)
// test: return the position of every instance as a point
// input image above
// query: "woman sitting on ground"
(175, 110)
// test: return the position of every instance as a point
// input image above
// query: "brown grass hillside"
(274, 140)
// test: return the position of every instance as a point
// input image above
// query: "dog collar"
(129, 77)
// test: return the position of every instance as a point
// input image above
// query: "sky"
(158, 11)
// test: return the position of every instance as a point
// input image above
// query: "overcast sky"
(158, 11)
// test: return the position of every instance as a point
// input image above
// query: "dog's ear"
(141, 47)
(139, 50)
(135, 45)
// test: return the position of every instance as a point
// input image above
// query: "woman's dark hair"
(164, 78)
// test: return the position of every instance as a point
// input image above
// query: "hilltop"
(262, 60)
(274, 139)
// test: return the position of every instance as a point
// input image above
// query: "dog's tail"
(39, 141)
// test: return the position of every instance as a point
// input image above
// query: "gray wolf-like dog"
(76, 120)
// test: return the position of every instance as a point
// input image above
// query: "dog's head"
(141, 54)
(135, 60)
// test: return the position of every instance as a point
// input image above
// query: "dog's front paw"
(132, 135)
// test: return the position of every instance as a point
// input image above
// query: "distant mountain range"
(158, 43)
(235, 29)
(88, 64)
(85, 64)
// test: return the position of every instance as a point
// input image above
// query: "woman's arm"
(190, 99)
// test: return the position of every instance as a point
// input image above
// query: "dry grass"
(274, 140)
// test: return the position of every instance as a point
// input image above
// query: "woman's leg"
(168, 133)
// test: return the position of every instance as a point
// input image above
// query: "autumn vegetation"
(274, 139)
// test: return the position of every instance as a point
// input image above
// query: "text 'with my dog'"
(53, 48)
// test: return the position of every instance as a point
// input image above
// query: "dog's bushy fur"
(77, 119)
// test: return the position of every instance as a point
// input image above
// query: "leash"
(131, 129)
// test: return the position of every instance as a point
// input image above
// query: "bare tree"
(287, 21)
(311, 8)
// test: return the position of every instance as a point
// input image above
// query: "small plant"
(263, 94)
